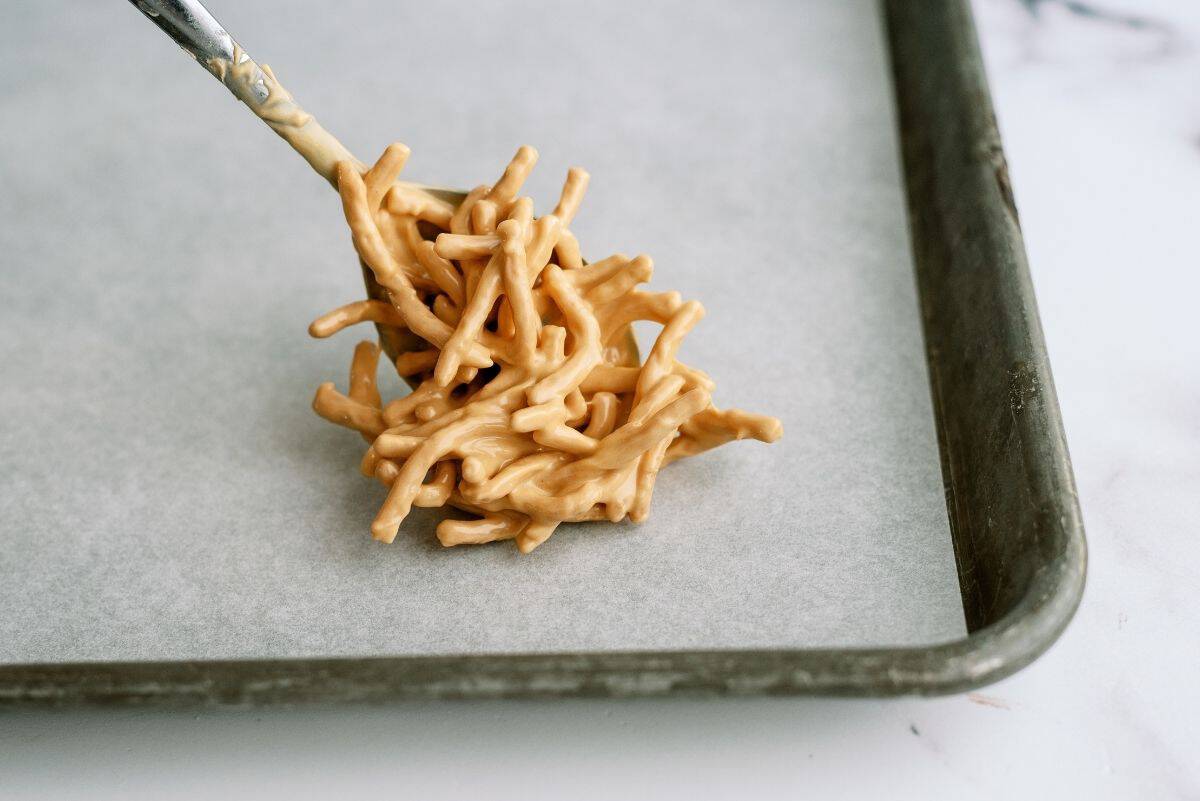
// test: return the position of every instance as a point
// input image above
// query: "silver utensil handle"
(193, 28)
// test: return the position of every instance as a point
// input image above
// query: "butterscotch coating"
(524, 412)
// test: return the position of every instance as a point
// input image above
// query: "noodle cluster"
(530, 407)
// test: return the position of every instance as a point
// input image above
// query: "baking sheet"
(165, 490)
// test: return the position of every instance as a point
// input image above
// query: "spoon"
(193, 28)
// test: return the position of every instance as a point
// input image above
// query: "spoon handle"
(193, 28)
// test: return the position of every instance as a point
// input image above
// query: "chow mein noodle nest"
(529, 406)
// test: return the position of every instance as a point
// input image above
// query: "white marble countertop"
(1101, 121)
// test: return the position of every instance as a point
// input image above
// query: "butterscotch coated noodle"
(528, 410)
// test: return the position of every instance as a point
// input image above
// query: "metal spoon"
(193, 28)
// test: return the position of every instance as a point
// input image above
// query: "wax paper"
(166, 491)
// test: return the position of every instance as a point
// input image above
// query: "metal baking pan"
(1012, 511)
